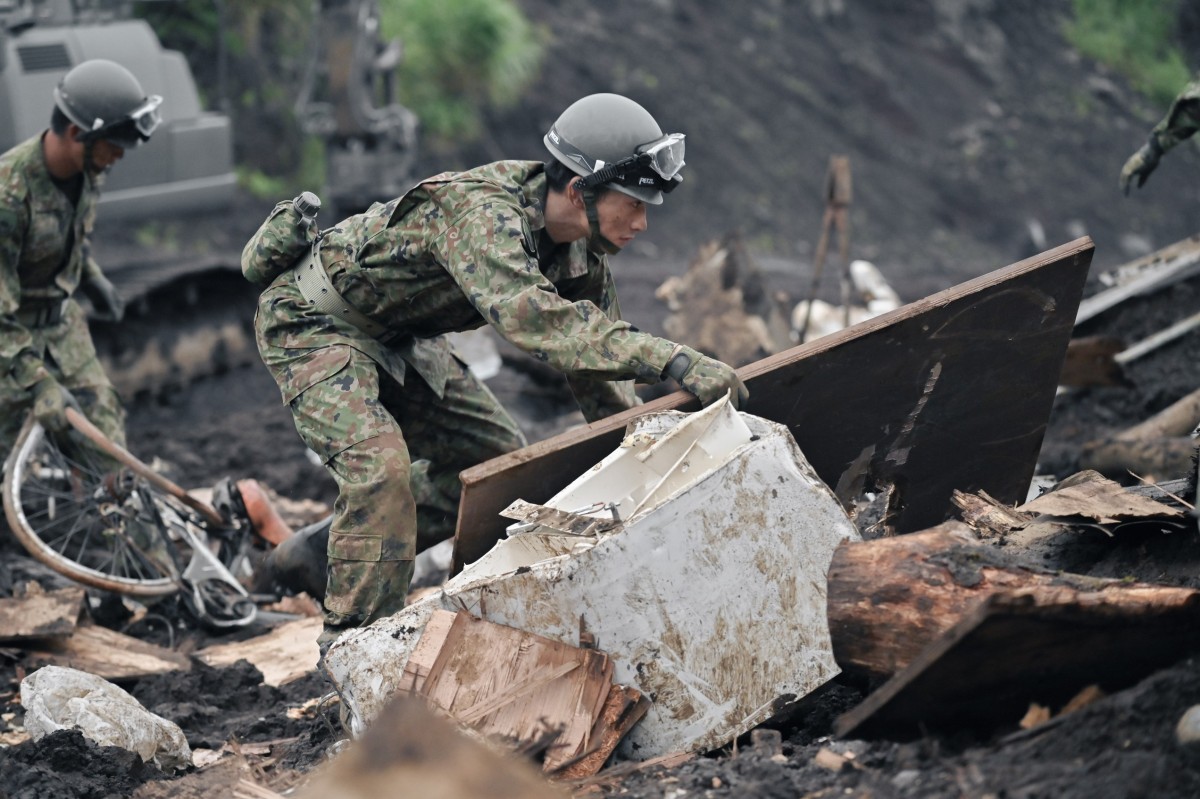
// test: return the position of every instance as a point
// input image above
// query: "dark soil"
(963, 120)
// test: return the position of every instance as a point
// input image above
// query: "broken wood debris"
(284, 654)
(1160, 447)
(38, 614)
(1043, 643)
(105, 653)
(519, 688)
(891, 598)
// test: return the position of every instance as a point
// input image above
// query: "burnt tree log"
(891, 597)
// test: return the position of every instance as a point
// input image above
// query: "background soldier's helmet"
(610, 139)
(106, 101)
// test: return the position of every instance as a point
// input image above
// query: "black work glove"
(50, 403)
(707, 378)
(104, 297)
(1141, 164)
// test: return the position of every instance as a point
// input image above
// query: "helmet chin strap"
(597, 242)
(89, 162)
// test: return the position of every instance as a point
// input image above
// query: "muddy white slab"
(708, 593)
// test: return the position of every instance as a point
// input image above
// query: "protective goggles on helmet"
(655, 165)
(135, 128)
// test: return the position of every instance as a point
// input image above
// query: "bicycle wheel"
(91, 519)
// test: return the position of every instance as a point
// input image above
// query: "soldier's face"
(105, 154)
(621, 217)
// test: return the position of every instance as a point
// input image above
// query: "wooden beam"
(287, 653)
(950, 392)
(1042, 644)
(106, 653)
(40, 615)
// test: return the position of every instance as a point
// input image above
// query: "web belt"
(41, 314)
(316, 287)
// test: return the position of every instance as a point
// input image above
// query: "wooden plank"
(287, 653)
(1041, 645)
(516, 686)
(623, 708)
(106, 653)
(425, 653)
(1172, 264)
(950, 392)
(40, 615)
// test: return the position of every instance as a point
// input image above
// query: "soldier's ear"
(574, 193)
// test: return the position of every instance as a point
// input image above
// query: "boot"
(300, 563)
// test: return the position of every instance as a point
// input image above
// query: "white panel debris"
(700, 570)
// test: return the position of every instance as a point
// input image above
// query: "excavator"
(189, 312)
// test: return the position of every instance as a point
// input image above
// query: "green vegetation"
(1135, 38)
(461, 56)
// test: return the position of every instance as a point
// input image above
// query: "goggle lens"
(147, 117)
(666, 154)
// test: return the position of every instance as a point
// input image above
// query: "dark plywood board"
(950, 392)
(1019, 648)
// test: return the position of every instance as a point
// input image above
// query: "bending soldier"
(49, 186)
(353, 333)
(1181, 121)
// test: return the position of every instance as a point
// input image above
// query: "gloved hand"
(1141, 164)
(707, 378)
(104, 297)
(50, 403)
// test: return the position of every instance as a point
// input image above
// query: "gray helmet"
(610, 139)
(106, 101)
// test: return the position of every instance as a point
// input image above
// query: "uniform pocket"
(335, 400)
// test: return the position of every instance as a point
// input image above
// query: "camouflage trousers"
(395, 452)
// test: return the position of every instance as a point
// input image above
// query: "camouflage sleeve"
(17, 356)
(1182, 119)
(91, 269)
(488, 250)
(598, 399)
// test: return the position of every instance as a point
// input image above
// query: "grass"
(1135, 38)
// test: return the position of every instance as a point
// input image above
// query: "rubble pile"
(723, 604)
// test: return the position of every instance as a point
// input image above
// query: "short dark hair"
(559, 176)
(59, 121)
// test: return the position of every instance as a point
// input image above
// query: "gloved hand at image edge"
(1141, 164)
(50, 403)
(104, 297)
(707, 378)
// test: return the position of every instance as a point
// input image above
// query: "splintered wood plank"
(425, 653)
(287, 653)
(1043, 645)
(106, 653)
(516, 685)
(624, 707)
(950, 392)
(47, 615)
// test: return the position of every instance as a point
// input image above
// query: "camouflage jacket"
(458, 251)
(1182, 119)
(43, 258)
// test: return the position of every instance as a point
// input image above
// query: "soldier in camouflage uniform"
(353, 335)
(1181, 121)
(48, 191)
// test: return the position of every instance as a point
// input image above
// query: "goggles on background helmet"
(134, 129)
